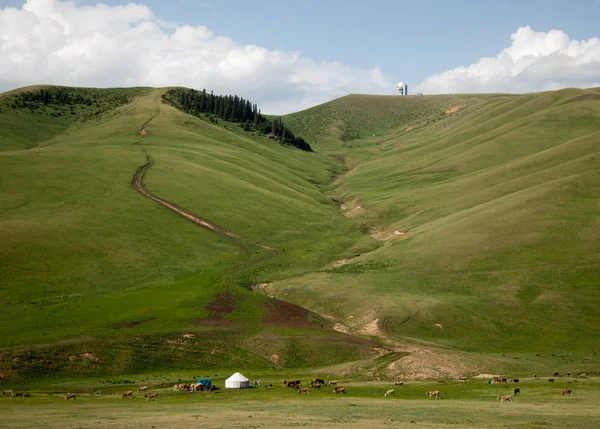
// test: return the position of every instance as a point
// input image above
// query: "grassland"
(471, 404)
(91, 266)
(417, 243)
(487, 220)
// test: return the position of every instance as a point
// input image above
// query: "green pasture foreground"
(471, 404)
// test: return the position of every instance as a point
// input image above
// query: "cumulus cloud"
(535, 61)
(61, 42)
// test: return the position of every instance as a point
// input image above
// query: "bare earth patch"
(455, 109)
(384, 235)
(89, 356)
(485, 376)
(352, 209)
(343, 262)
(223, 304)
(280, 313)
(409, 128)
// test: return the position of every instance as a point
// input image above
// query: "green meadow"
(425, 238)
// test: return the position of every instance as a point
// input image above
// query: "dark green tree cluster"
(65, 96)
(234, 109)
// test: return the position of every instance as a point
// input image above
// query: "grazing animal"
(303, 390)
(332, 383)
(7, 392)
(462, 378)
(128, 394)
(17, 394)
(515, 380)
(389, 393)
(567, 391)
(317, 381)
(197, 387)
(556, 374)
(517, 391)
(315, 385)
(292, 383)
(339, 389)
(399, 383)
(568, 374)
(182, 386)
(433, 394)
(151, 395)
(70, 396)
(505, 398)
(143, 389)
(550, 380)
(213, 389)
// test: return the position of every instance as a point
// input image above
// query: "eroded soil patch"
(223, 304)
(285, 314)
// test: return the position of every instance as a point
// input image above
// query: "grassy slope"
(82, 251)
(500, 203)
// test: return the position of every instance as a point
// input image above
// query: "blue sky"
(406, 40)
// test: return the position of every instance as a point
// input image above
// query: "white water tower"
(402, 88)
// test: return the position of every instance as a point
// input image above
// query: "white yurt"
(237, 381)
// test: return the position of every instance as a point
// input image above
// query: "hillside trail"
(138, 184)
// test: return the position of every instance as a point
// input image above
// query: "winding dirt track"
(138, 185)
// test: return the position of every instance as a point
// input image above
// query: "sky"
(287, 55)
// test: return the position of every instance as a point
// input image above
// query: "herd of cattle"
(315, 383)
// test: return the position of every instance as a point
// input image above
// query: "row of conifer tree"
(234, 109)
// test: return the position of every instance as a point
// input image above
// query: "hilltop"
(424, 236)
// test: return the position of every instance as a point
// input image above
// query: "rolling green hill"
(454, 225)
(487, 217)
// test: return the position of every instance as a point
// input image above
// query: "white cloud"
(60, 42)
(536, 61)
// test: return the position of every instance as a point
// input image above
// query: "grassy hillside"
(424, 236)
(88, 262)
(487, 219)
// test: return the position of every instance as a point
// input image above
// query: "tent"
(237, 381)
(205, 381)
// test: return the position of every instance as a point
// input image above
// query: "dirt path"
(138, 185)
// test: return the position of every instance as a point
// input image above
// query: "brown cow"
(8, 392)
(550, 380)
(399, 383)
(433, 394)
(567, 391)
(213, 389)
(128, 394)
(505, 398)
(150, 395)
(70, 396)
(389, 393)
(292, 383)
(303, 390)
(317, 381)
(339, 389)
(315, 386)
(332, 383)
(143, 389)
(17, 394)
